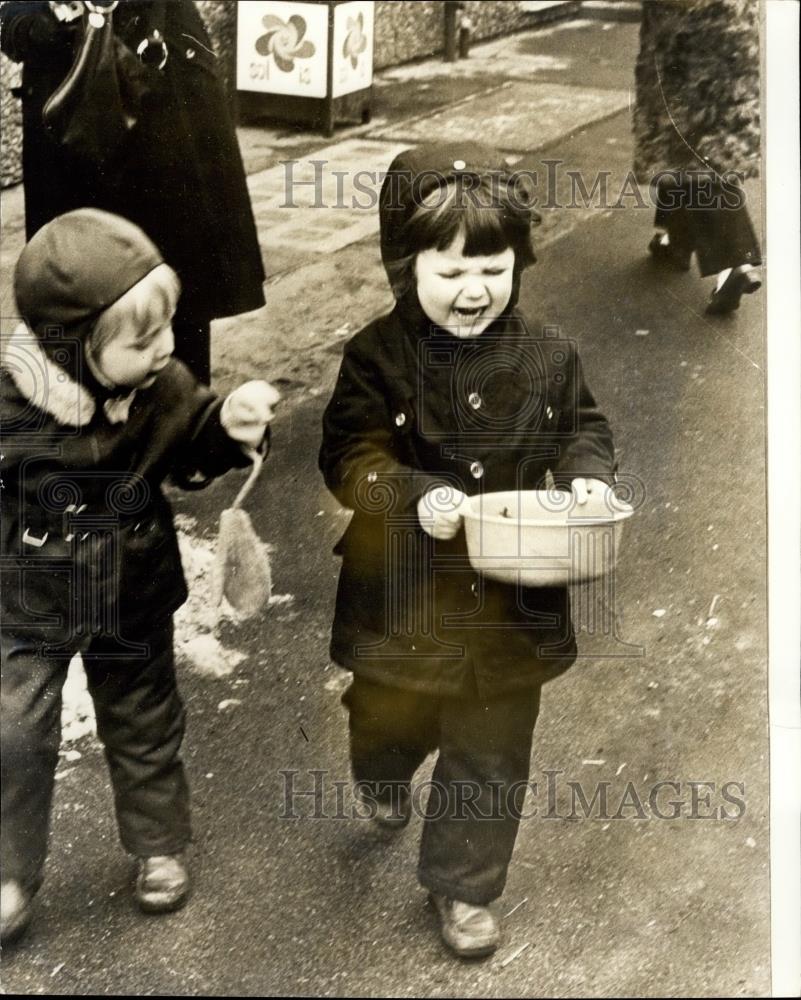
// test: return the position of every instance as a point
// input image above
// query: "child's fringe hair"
(148, 303)
(481, 209)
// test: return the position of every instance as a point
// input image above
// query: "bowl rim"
(469, 513)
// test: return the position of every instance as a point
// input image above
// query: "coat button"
(474, 400)
(400, 419)
(459, 164)
(476, 470)
(371, 477)
(190, 53)
(549, 413)
(474, 588)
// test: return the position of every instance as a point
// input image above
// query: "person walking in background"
(179, 174)
(696, 127)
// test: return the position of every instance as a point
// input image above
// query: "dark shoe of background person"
(15, 912)
(666, 253)
(469, 931)
(727, 298)
(162, 883)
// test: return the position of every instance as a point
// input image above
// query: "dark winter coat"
(179, 175)
(410, 611)
(697, 81)
(88, 541)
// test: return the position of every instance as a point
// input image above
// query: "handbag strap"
(159, 18)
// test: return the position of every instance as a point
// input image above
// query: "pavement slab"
(321, 203)
(516, 116)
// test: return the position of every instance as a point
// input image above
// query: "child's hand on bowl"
(247, 411)
(438, 512)
(583, 487)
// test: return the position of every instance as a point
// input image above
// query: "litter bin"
(309, 62)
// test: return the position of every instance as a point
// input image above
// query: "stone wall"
(10, 125)
(404, 30)
(411, 29)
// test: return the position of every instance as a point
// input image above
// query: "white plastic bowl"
(543, 538)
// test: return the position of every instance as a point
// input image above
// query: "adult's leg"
(31, 733)
(477, 792)
(725, 237)
(193, 342)
(673, 195)
(140, 720)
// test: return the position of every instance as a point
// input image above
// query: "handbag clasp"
(98, 11)
(155, 58)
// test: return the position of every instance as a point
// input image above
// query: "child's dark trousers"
(479, 781)
(140, 720)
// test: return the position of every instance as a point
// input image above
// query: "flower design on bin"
(283, 40)
(355, 40)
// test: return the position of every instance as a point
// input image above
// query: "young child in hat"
(96, 414)
(450, 395)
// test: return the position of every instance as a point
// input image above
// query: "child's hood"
(70, 271)
(78, 265)
(415, 173)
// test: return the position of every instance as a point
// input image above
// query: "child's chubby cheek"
(133, 361)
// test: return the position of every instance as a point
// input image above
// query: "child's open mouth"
(466, 312)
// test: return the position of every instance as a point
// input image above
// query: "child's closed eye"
(489, 272)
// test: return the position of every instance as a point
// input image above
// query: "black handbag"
(100, 100)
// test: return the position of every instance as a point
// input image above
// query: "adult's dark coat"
(697, 79)
(410, 611)
(179, 175)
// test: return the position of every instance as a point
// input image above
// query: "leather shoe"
(666, 253)
(15, 911)
(727, 298)
(469, 931)
(162, 883)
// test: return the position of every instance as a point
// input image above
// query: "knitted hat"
(78, 265)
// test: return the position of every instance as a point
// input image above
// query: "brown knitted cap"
(78, 265)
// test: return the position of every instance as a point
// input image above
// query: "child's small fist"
(247, 411)
(438, 512)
